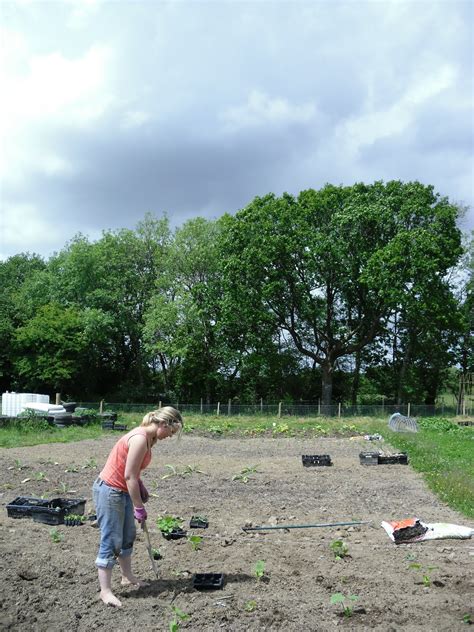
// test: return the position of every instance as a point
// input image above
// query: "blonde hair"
(167, 416)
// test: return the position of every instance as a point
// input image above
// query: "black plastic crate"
(369, 458)
(312, 460)
(121, 427)
(47, 511)
(208, 581)
(197, 522)
(394, 459)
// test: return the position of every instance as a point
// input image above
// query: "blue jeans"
(116, 521)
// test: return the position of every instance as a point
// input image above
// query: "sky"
(117, 108)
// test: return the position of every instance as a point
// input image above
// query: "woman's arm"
(137, 447)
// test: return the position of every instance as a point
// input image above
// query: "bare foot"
(134, 581)
(110, 599)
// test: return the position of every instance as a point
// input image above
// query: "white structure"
(14, 403)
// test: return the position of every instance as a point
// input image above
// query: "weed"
(259, 570)
(339, 548)
(194, 541)
(166, 524)
(250, 605)
(345, 602)
(55, 535)
(178, 616)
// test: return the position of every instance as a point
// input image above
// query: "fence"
(281, 409)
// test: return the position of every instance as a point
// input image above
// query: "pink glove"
(140, 514)
(143, 491)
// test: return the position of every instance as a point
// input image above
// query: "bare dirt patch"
(46, 585)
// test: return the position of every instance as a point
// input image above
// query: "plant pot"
(312, 460)
(157, 556)
(175, 534)
(198, 523)
(394, 459)
(208, 581)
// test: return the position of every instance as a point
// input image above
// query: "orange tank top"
(113, 472)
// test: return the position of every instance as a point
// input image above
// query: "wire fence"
(282, 409)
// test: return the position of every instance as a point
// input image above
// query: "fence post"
(159, 405)
(319, 407)
(228, 407)
(261, 405)
(101, 406)
(279, 410)
(218, 407)
(58, 398)
(408, 411)
(383, 404)
(339, 410)
(201, 406)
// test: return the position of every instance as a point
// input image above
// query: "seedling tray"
(392, 459)
(47, 511)
(176, 534)
(369, 458)
(208, 581)
(312, 460)
(198, 523)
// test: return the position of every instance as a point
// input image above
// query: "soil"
(46, 585)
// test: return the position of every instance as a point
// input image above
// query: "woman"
(119, 496)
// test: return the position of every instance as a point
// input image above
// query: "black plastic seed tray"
(311, 460)
(121, 427)
(208, 581)
(369, 458)
(198, 523)
(47, 511)
(176, 534)
(393, 459)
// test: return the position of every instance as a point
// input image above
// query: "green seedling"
(426, 573)
(91, 463)
(166, 524)
(259, 569)
(18, 466)
(156, 553)
(41, 476)
(191, 469)
(194, 541)
(55, 535)
(345, 601)
(71, 468)
(65, 489)
(467, 618)
(244, 474)
(80, 517)
(179, 616)
(339, 548)
(188, 470)
(250, 605)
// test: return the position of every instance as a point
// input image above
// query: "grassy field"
(441, 451)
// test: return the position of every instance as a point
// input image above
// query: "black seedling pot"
(175, 534)
(208, 581)
(311, 460)
(198, 523)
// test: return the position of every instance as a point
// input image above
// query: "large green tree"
(327, 268)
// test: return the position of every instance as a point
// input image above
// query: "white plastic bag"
(414, 530)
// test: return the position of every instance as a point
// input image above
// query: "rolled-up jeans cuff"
(103, 563)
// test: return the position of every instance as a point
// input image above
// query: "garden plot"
(274, 580)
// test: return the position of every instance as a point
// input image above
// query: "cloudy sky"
(114, 108)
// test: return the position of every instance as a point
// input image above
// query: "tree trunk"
(326, 386)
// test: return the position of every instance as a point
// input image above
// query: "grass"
(442, 452)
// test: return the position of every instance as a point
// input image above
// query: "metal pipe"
(307, 526)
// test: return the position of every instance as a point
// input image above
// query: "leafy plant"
(244, 474)
(18, 466)
(194, 541)
(339, 548)
(179, 616)
(41, 476)
(250, 605)
(91, 463)
(259, 569)
(426, 572)
(345, 602)
(166, 524)
(55, 535)
(71, 468)
(156, 554)
(467, 618)
(188, 470)
(64, 488)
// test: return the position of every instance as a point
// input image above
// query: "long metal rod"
(307, 526)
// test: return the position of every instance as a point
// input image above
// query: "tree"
(327, 268)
